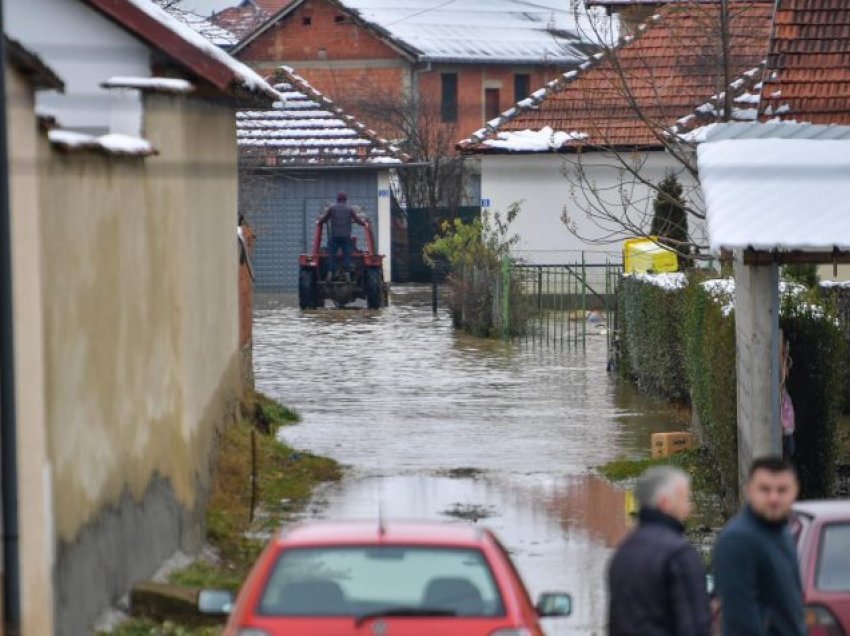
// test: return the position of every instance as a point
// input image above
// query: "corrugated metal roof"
(776, 130)
(308, 130)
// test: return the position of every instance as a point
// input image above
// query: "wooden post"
(757, 358)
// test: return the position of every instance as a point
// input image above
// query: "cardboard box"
(666, 444)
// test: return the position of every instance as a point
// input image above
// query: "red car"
(822, 529)
(399, 579)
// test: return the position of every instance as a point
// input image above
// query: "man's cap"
(342, 196)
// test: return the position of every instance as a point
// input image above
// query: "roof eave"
(43, 77)
(160, 37)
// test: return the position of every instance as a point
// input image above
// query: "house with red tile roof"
(294, 159)
(124, 210)
(807, 76)
(463, 60)
(585, 150)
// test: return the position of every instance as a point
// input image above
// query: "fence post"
(583, 301)
(506, 297)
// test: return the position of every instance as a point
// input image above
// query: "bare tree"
(693, 63)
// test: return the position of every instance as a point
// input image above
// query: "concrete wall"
(35, 500)
(542, 185)
(84, 49)
(141, 347)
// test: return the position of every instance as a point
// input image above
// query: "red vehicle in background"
(366, 281)
(822, 530)
(398, 579)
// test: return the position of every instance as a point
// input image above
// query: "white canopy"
(777, 194)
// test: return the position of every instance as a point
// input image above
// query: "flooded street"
(435, 424)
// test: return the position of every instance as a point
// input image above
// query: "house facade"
(584, 154)
(462, 63)
(126, 293)
(294, 159)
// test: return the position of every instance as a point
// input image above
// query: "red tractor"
(366, 281)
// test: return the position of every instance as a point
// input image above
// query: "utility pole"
(8, 415)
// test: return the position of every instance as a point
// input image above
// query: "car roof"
(825, 509)
(429, 533)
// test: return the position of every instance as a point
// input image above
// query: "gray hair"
(657, 482)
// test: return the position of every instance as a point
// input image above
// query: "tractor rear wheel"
(307, 289)
(374, 288)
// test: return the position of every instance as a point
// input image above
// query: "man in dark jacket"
(656, 579)
(339, 217)
(755, 559)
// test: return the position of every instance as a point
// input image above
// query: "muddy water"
(435, 424)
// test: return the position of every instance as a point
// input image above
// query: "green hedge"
(651, 349)
(816, 384)
(708, 336)
(681, 343)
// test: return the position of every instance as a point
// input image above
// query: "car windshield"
(834, 563)
(371, 581)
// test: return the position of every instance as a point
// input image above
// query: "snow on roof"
(474, 30)
(113, 144)
(776, 194)
(244, 75)
(533, 140)
(308, 130)
(157, 84)
(495, 31)
(215, 33)
(665, 79)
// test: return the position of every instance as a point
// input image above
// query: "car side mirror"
(215, 602)
(553, 604)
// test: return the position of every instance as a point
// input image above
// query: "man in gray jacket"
(339, 216)
(755, 559)
(656, 578)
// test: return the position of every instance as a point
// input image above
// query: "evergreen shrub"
(651, 346)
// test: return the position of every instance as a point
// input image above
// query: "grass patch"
(144, 627)
(285, 481)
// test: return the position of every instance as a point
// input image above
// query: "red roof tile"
(808, 66)
(670, 68)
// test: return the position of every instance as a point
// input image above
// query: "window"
(339, 19)
(491, 103)
(448, 101)
(522, 86)
(833, 573)
(306, 20)
(358, 580)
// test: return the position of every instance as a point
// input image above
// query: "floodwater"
(431, 423)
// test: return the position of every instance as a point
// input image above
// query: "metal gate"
(557, 305)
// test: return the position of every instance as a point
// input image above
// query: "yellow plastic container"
(666, 444)
(645, 255)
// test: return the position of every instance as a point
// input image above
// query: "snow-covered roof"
(466, 31)
(650, 70)
(776, 194)
(215, 33)
(308, 130)
(182, 43)
(155, 84)
(113, 144)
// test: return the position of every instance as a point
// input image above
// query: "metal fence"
(556, 304)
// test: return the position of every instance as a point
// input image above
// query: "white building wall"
(84, 49)
(545, 186)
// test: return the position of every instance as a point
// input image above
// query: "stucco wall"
(542, 186)
(34, 483)
(141, 321)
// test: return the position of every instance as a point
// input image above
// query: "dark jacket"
(657, 582)
(340, 216)
(757, 578)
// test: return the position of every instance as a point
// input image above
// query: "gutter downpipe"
(8, 415)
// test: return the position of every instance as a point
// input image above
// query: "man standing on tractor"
(339, 217)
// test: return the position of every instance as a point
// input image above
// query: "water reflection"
(398, 396)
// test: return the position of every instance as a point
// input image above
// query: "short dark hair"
(772, 464)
